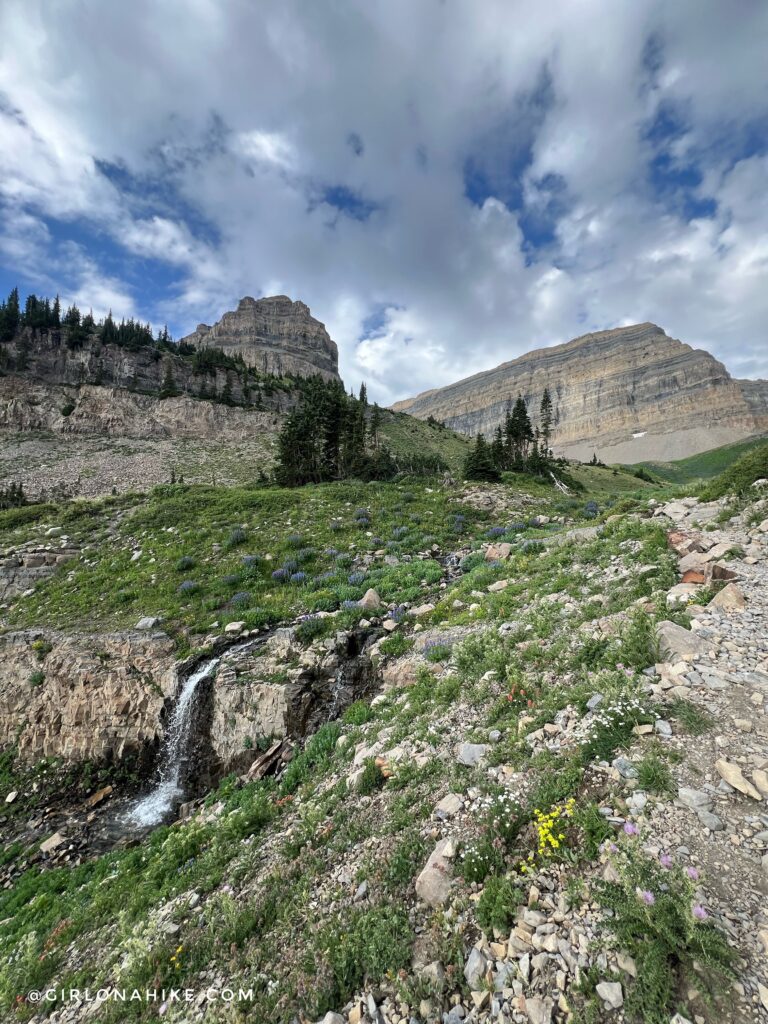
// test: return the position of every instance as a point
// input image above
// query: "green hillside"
(405, 435)
(703, 466)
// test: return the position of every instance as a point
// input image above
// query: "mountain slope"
(630, 394)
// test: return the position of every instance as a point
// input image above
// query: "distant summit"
(274, 335)
(628, 394)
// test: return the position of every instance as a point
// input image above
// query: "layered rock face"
(100, 696)
(274, 335)
(30, 406)
(628, 394)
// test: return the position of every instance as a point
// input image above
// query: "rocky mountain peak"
(630, 393)
(274, 334)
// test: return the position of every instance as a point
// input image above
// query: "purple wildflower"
(692, 873)
(699, 912)
(631, 829)
(647, 897)
(665, 860)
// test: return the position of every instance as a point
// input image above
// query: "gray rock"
(612, 993)
(471, 754)
(676, 643)
(662, 727)
(433, 886)
(539, 1010)
(595, 701)
(475, 968)
(148, 622)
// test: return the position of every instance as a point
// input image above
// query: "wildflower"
(631, 829)
(692, 873)
(665, 860)
(699, 912)
(646, 896)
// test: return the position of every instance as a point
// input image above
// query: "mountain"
(274, 335)
(628, 394)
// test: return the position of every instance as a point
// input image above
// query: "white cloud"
(229, 122)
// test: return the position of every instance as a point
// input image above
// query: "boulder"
(729, 599)
(371, 600)
(732, 774)
(433, 886)
(471, 754)
(678, 644)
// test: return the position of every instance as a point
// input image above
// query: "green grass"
(404, 434)
(208, 554)
(738, 478)
(703, 466)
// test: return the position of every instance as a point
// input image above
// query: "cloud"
(445, 190)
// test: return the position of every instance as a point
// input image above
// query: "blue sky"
(445, 186)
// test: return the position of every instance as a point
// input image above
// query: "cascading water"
(157, 804)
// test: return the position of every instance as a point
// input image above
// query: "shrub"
(184, 563)
(250, 562)
(281, 575)
(371, 778)
(364, 944)
(495, 532)
(470, 562)
(395, 645)
(436, 651)
(37, 678)
(358, 713)
(188, 587)
(498, 904)
(290, 565)
(236, 537)
(479, 860)
(305, 555)
(309, 628)
(658, 918)
(230, 580)
(241, 599)
(590, 510)
(356, 578)
(299, 577)
(294, 540)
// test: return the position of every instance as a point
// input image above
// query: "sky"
(447, 184)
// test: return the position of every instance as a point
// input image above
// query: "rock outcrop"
(627, 394)
(84, 696)
(28, 406)
(274, 335)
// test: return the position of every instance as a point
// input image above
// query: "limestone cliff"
(84, 697)
(628, 394)
(274, 335)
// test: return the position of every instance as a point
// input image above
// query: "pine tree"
(497, 449)
(375, 425)
(56, 312)
(545, 417)
(478, 464)
(168, 388)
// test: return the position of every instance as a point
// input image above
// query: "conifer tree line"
(42, 314)
(332, 436)
(516, 446)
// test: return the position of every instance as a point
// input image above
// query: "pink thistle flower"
(647, 897)
(699, 912)
(665, 860)
(631, 829)
(692, 873)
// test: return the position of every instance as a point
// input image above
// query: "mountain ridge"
(629, 393)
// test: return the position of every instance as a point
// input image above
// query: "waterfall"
(154, 807)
